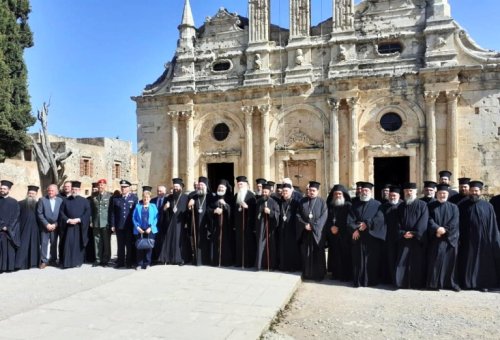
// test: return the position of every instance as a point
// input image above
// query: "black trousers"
(126, 249)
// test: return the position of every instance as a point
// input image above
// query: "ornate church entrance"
(390, 170)
(218, 171)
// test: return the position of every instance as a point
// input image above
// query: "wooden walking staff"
(193, 230)
(221, 223)
(243, 240)
(266, 219)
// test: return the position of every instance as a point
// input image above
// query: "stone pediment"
(223, 21)
(297, 139)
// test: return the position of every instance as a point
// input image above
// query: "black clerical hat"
(147, 188)
(260, 180)
(95, 184)
(33, 188)
(279, 186)
(314, 184)
(203, 179)
(76, 184)
(441, 187)
(241, 179)
(359, 184)
(339, 187)
(445, 173)
(271, 183)
(395, 188)
(430, 184)
(410, 185)
(177, 181)
(6, 183)
(464, 180)
(267, 186)
(476, 184)
(386, 186)
(367, 185)
(125, 183)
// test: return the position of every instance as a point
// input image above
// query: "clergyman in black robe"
(463, 191)
(288, 247)
(495, 202)
(267, 219)
(338, 236)
(222, 232)
(390, 247)
(244, 222)
(443, 242)
(74, 218)
(479, 245)
(28, 254)
(9, 228)
(311, 217)
(368, 231)
(429, 192)
(174, 245)
(200, 223)
(413, 220)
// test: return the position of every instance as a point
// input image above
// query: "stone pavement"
(163, 302)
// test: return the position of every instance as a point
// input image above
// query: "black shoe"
(180, 264)
(96, 264)
(484, 290)
(119, 265)
(104, 265)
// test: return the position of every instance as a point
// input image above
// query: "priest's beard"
(221, 193)
(474, 198)
(176, 193)
(240, 197)
(410, 199)
(31, 202)
(393, 202)
(338, 202)
(441, 200)
(202, 192)
(364, 197)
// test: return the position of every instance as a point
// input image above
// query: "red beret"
(102, 180)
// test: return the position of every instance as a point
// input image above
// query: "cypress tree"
(15, 108)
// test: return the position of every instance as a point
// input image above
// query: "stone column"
(430, 117)
(174, 145)
(334, 141)
(353, 108)
(452, 131)
(248, 111)
(300, 18)
(343, 14)
(189, 115)
(259, 20)
(266, 154)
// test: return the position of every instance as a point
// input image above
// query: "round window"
(391, 122)
(220, 132)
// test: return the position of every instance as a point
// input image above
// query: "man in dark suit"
(120, 220)
(47, 213)
(160, 202)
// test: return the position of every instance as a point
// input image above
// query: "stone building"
(384, 91)
(92, 159)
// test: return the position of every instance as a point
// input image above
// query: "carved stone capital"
(353, 101)
(452, 95)
(264, 109)
(247, 110)
(333, 103)
(174, 115)
(430, 96)
(188, 114)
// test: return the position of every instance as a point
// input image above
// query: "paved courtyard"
(161, 302)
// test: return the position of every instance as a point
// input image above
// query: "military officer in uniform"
(99, 204)
(120, 220)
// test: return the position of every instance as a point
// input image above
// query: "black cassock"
(288, 247)
(442, 251)
(266, 231)
(222, 232)
(28, 254)
(479, 246)
(367, 249)
(9, 239)
(176, 247)
(495, 202)
(410, 262)
(244, 222)
(390, 248)
(339, 245)
(200, 226)
(312, 243)
(75, 235)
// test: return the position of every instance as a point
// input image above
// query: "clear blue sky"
(90, 56)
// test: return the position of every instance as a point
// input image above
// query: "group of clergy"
(444, 240)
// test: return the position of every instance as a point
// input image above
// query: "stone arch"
(316, 111)
(219, 116)
(398, 104)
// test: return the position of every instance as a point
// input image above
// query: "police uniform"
(121, 219)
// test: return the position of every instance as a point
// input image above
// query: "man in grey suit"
(47, 214)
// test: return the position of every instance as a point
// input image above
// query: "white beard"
(394, 202)
(240, 197)
(339, 202)
(364, 198)
(410, 200)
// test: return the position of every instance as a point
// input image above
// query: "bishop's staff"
(266, 219)
(221, 223)
(193, 230)
(243, 240)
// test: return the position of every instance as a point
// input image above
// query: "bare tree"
(50, 164)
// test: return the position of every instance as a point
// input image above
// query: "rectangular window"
(86, 167)
(117, 170)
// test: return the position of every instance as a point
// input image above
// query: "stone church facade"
(384, 91)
